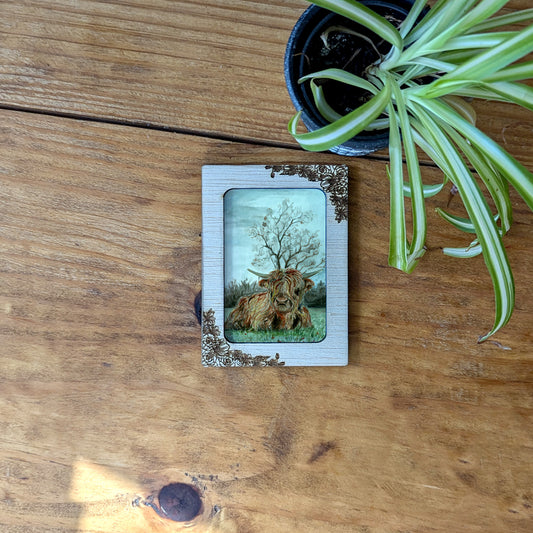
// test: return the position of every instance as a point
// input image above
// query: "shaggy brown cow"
(280, 307)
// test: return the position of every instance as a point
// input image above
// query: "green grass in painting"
(313, 334)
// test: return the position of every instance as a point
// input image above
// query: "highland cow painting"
(275, 265)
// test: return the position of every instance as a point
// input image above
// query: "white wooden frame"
(333, 349)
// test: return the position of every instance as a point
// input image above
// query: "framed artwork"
(274, 265)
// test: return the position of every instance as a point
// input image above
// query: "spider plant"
(456, 50)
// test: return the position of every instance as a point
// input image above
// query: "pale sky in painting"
(245, 207)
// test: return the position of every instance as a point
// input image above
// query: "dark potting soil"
(347, 52)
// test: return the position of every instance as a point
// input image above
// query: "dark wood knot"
(198, 307)
(177, 501)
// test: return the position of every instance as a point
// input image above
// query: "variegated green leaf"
(485, 228)
(337, 74)
(342, 129)
(364, 15)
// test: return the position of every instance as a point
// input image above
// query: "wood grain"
(213, 68)
(103, 398)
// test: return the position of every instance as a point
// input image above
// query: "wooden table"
(108, 110)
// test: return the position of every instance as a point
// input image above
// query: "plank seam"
(169, 129)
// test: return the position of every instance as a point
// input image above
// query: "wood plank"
(103, 398)
(207, 67)
(199, 66)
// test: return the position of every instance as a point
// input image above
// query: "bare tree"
(284, 241)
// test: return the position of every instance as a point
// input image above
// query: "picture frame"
(274, 265)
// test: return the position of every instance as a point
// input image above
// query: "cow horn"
(264, 276)
(312, 273)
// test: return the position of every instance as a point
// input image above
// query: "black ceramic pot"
(302, 47)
